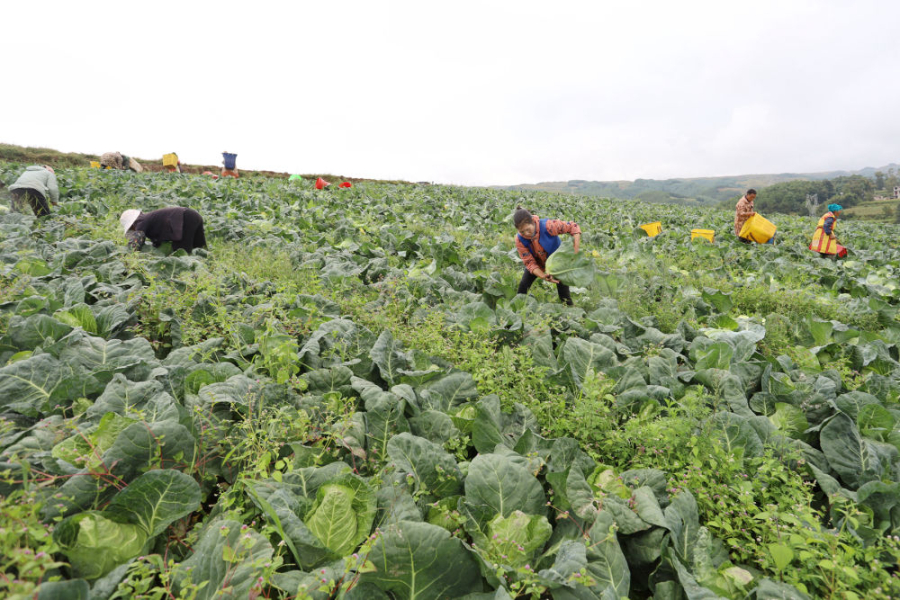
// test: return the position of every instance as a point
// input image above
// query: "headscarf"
(835, 207)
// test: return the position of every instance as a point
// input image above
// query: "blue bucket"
(230, 160)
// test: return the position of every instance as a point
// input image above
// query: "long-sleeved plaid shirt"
(536, 257)
(742, 212)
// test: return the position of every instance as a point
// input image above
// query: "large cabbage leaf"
(571, 269)
(228, 558)
(97, 542)
(419, 561)
(156, 499)
(497, 484)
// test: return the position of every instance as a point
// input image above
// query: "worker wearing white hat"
(181, 226)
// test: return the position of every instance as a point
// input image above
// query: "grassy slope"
(874, 211)
(57, 159)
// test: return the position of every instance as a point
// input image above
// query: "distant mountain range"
(695, 190)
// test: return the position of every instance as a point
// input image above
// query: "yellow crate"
(758, 229)
(707, 234)
(652, 229)
(170, 160)
(95, 164)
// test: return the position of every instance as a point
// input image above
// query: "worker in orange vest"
(824, 240)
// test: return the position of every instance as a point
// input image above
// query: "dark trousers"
(561, 289)
(33, 198)
(192, 235)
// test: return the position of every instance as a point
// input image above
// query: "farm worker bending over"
(33, 187)
(181, 226)
(539, 238)
(117, 160)
(743, 211)
(824, 241)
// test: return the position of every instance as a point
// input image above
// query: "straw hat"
(128, 218)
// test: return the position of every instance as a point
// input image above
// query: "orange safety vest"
(821, 241)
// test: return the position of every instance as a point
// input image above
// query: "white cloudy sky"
(462, 92)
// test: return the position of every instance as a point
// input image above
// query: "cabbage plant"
(570, 268)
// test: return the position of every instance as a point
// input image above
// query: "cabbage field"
(343, 397)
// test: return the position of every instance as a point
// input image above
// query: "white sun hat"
(128, 218)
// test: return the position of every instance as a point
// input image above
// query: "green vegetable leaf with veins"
(571, 269)
(343, 514)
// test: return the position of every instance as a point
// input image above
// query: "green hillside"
(885, 211)
(688, 191)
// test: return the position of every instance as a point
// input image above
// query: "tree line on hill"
(709, 191)
(848, 191)
(790, 196)
(690, 192)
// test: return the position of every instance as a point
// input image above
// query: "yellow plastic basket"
(758, 229)
(95, 164)
(170, 160)
(707, 234)
(652, 229)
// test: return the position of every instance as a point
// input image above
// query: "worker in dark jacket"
(37, 188)
(181, 226)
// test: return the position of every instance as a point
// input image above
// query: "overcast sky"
(473, 93)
